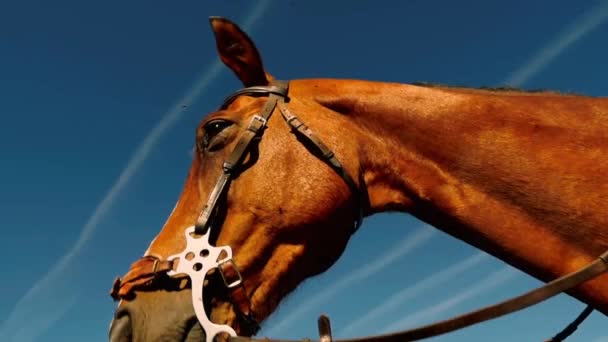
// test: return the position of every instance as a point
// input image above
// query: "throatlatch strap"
(327, 155)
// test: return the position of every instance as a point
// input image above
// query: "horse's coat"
(523, 176)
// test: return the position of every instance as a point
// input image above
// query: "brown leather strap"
(571, 328)
(278, 88)
(328, 157)
(535, 296)
(238, 295)
(254, 130)
(141, 273)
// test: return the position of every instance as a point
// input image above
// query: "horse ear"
(238, 52)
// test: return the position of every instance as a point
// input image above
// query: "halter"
(200, 256)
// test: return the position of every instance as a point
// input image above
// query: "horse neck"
(519, 175)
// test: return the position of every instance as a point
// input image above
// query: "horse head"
(285, 213)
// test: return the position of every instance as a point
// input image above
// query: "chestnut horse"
(520, 175)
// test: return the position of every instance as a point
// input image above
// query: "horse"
(520, 175)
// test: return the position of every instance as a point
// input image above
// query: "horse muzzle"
(156, 316)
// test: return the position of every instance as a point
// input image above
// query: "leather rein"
(194, 260)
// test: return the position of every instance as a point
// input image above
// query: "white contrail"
(490, 282)
(31, 303)
(26, 333)
(584, 24)
(406, 245)
(397, 300)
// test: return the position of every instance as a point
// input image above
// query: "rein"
(199, 256)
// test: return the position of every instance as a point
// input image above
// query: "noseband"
(199, 256)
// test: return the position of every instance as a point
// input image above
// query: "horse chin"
(169, 316)
(195, 333)
(192, 330)
(223, 313)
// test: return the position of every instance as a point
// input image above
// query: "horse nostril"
(121, 329)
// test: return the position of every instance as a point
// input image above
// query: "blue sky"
(95, 147)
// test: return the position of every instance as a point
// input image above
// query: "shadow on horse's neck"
(520, 175)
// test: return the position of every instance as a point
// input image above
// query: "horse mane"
(494, 89)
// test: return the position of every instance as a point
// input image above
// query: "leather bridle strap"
(141, 273)
(571, 328)
(596, 268)
(254, 130)
(279, 88)
(298, 127)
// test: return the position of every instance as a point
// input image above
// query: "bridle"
(199, 256)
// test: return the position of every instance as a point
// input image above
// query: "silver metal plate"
(196, 260)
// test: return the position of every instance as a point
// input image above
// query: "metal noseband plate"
(196, 260)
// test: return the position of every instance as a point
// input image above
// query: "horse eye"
(212, 130)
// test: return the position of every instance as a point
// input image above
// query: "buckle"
(257, 123)
(290, 118)
(238, 281)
